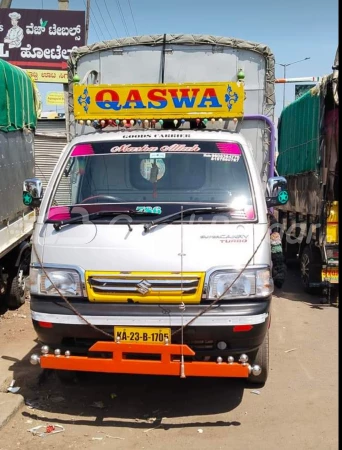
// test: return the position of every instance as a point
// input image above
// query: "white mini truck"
(151, 253)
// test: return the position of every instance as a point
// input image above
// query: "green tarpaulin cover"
(299, 136)
(17, 99)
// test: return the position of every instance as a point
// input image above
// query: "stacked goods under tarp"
(308, 133)
(19, 103)
(308, 149)
(18, 117)
(17, 99)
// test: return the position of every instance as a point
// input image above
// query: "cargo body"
(308, 134)
(153, 228)
(17, 122)
(187, 59)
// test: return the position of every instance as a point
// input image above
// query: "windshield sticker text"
(128, 148)
(149, 209)
(220, 157)
(157, 155)
(156, 136)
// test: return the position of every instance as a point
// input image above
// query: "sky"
(294, 30)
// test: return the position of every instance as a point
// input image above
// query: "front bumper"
(172, 361)
(57, 326)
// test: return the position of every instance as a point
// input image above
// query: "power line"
(122, 17)
(91, 21)
(135, 26)
(109, 15)
(94, 17)
(97, 34)
(109, 33)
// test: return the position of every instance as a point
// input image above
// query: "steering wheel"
(106, 197)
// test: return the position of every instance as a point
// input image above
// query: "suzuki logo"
(143, 287)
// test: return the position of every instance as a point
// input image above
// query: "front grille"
(130, 286)
(145, 287)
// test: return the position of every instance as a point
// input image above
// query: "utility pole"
(284, 66)
(63, 5)
(87, 22)
(5, 3)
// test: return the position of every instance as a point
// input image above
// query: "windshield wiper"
(79, 219)
(187, 212)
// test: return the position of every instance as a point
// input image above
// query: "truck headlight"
(252, 283)
(67, 281)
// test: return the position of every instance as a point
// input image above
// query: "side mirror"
(32, 192)
(276, 192)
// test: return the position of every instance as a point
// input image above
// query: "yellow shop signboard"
(55, 98)
(161, 101)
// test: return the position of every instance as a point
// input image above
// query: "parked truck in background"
(18, 120)
(308, 133)
(151, 253)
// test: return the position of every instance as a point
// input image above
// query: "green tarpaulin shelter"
(18, 102)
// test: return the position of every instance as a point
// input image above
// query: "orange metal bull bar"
(169, 364)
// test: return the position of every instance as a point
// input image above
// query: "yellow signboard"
(48, 76)
(159, 101)
(55, 98)
(330, 274)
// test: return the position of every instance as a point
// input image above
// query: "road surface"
(297, 408)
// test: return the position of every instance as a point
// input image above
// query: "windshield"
(151, 175)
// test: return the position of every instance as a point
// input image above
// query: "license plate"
(142, 335)
(330, 275)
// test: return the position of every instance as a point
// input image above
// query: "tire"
(262, 359)
(310, 269)
(16, 294)
(16, 285)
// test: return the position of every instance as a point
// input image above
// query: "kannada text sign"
(48, 76)
(40, 39)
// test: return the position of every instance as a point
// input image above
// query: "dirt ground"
(297, 408)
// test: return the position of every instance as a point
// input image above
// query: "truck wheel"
(310, 269)
(16, 294)
(16, 288)
(262, 359)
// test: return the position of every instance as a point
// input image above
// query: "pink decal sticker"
(249, 211)
(82, 150)
(246, 213)
(231, 148)
(59, 213)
